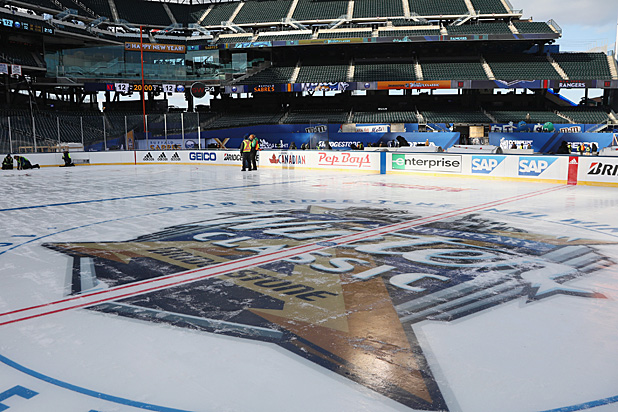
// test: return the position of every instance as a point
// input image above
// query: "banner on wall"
(549, 142)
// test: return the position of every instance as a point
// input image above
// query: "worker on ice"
(255, 147)
(67, 159)
(24, 164)
(245, 151)
(7, 163)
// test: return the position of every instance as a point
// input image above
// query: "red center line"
(163, 282)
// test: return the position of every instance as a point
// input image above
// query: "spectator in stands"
(255, 147)
(245, 152)
(7, 163)
(67, 159)
(24, 164)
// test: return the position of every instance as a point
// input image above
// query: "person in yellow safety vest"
(255, 146)
(245, 151)
(588, 150)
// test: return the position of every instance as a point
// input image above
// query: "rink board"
(586, 170)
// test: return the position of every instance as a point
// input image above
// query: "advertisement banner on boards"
(427, 163)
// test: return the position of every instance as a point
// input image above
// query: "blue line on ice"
(85, 391)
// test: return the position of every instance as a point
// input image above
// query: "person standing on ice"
(255, 146)
(245, 151)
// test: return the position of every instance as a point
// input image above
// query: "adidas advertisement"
(427, 163)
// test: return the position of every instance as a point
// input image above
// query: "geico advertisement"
(427, 163)
(598, 169)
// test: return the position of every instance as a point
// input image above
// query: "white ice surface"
(518, 356)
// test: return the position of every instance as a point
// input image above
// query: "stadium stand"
(343, 34)
(454, 116)
(270, 75)
(263, 11)
(449, 70)
(480, 28)
(521, 67)
(581, 66)
(100, 7)
(438, 7)
(489, 6)
(516, 116)
(133, 11)
(283, 37)
(585, 115)
(408, 33)
(385, 117)
(184, 14)
(320, 9)
(382, 8)
(365, 72)
(19, 55)
(229, 120)
(323, 73)
(218, 13)
(313, 116)
(244, 37)
(533, 27)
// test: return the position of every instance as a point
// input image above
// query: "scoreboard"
(137, 87)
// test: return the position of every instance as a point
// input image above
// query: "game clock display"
(137, 87)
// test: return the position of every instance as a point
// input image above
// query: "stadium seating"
(234, 39)
(263, 11)
(18, 55)
(310, 116)
(522, 67)
(489, 6)
(366, 72)
(283, 37)
(323, 73)
(480, 28)
(220, 12)
(438, 7)
(373, 8)
(581, 66)
(343, 34)
(530, 117)
(407, 22)
(320, 9)
(271, 75)
(100, 7)
(385, 117)
(454, 116)
(133, 11)
(453, 71)
(230, 120)
(186, 15)
(408, 33)
(533, 27)
(585, 115)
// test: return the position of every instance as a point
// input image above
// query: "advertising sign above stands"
(390, 39)
(425, 85)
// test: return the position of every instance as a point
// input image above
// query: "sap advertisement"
(549, 142)
(318, 136)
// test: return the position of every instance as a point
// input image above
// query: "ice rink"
(184, 288)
